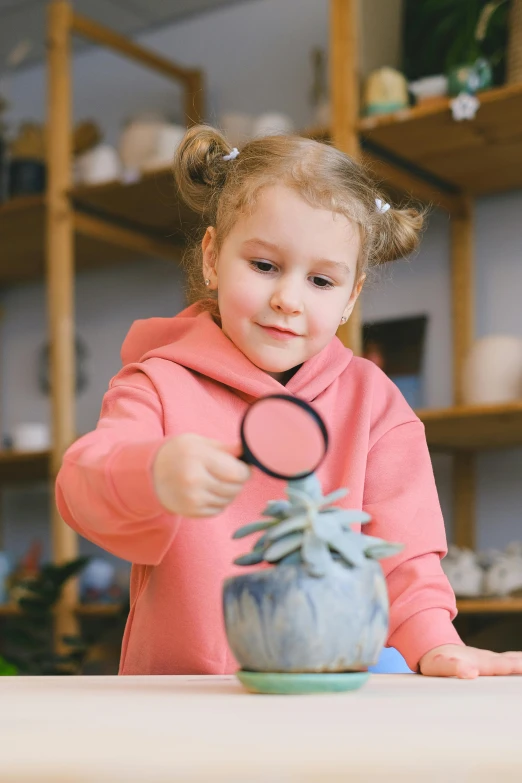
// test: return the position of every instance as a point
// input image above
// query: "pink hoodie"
(183, 374)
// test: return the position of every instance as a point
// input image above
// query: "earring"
(207, 282)
(344, 319)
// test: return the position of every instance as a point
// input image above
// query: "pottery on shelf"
(470, 78)
(100, 164)
(168, 139)
(464, 572)
(430, 88)
(237, 127)
(31, 436)
(504, 576)
(322, 606)
(385, 91)
(492, 371)
(149, 142)
(272, 124)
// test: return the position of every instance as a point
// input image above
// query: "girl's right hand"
(198, 477)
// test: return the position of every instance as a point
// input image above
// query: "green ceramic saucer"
(283, 682)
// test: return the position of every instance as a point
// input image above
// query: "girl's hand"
(452, 660)
(198, 477)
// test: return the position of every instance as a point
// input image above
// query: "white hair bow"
(382, 206)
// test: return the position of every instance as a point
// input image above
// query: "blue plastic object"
(390, 662)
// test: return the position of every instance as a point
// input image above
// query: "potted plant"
(467, 40)
(316, 616)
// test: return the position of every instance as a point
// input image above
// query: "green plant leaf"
(277, 508)
(309, 487)
(315, 554)
(291, 525)
(379, 551)
(333, 496)
(347, 516)
(294, 558)
(349, 545)
(254, 527)
(251, 558)
(283, 547)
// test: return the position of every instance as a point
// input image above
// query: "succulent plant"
(308, 528)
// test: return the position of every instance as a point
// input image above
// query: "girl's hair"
(220, 190)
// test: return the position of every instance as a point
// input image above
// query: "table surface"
(155, 729)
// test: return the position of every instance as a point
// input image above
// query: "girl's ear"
(353, 297)
(210, 258)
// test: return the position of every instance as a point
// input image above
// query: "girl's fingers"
(225, 467)
(449, 666)
(501, 664)
(222, 490)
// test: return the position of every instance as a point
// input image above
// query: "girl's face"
(285, 276)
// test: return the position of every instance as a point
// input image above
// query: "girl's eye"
(262, 266)
(322, 282)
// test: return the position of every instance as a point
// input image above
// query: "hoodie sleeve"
(105, 490)
(401, 497)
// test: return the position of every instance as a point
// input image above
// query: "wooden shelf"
(82, 610)
(114, 223)
(18, 466)
(473, 428)
(151, 205)
(477, 156)
(490, 606)
(9, 610)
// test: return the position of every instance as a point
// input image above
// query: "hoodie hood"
(193, 340)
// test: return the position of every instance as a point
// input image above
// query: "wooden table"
(397, 728)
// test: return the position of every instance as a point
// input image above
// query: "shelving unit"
(420, 151)
(490, 606)
(424, 153)
(70, 229)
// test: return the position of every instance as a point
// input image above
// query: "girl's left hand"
(452, 660)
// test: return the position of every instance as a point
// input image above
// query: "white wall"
(256, 57)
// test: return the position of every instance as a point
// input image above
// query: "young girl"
(291, 227)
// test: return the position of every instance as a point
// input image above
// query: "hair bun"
(397, 234)
(199, 169)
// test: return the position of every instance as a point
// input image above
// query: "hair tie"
(382, 206)
(231, 155)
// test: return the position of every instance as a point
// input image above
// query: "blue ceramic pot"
(282, 619)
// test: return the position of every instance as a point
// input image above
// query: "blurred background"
(94, 97)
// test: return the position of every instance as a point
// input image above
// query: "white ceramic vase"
(138, 142)
(272, 124)
(237, 127)
(99, 165)
(492, 371)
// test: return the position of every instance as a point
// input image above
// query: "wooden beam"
(104, 36)
(135, 241)
(463, 324)
(464, 503)
(60, 282)
(396, 179)
(344, 80)
(462, 291)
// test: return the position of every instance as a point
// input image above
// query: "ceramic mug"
(31, 437)
(237, 127)
(271, 124)
(168, 139)
(138, 142)
(101, 164)
(492, 371)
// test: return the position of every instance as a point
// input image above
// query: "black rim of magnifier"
(250, 458)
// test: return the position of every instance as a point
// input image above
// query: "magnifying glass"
(284, 437)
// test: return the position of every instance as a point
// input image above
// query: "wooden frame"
(346, 131)
(63, 223)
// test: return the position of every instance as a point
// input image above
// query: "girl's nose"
(287, 298)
